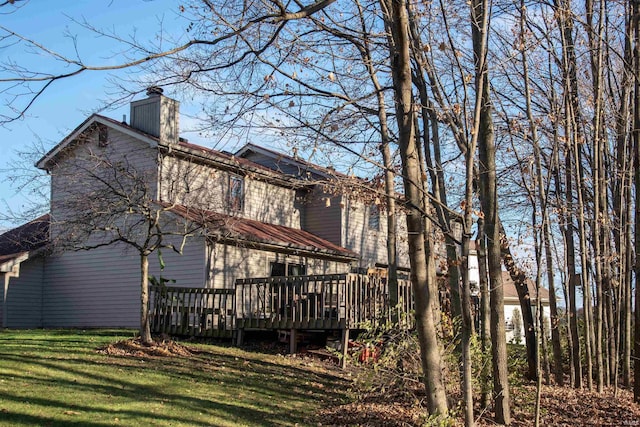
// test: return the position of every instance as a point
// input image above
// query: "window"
(287, 269)
(236, 193)
(374, 217)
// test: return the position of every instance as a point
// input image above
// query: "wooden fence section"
(341, 301)
(197, 312)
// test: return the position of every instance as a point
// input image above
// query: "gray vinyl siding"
(271, 204)
(323, 216)
(194, 184)
(401, 237)
(101, 287)
(24, 297)
(97, 288)
(69, 179)
(370, 244)
(189, 183)
(230, 262)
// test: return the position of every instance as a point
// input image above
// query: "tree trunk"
(599, 198)
(389, 185)
(431, 133)
(545, 234)
(145, 324)
(489, 201)
(586, 286)
(485, 313)
(392, 255)
(467, 324)
(622, 205)
(414, 187)
(635, 5)
(570, 260)
(519, 278)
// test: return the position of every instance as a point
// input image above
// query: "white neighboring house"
(513, 314)
(512, 311)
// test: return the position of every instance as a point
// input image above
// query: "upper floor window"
(374, 217)
(236, 193)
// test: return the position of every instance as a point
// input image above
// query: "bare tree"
(635, 13)
(103, 198)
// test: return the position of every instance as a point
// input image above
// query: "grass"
(57, 378)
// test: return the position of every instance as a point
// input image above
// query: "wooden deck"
(197, 312)
(322, 302)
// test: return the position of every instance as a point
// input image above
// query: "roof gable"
(71, 139)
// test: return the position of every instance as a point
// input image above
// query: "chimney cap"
(154, 90)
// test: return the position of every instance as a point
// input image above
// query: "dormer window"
(374, 217)
(236, 193)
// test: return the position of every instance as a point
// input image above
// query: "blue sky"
(66, 103)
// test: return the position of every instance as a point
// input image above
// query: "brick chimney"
(157, 115)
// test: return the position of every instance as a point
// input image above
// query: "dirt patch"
(134, 347)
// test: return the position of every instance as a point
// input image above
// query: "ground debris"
(372, 414)
(134, 347)
(564, 406)
(560, 407)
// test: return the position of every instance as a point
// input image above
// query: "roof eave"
(313, 252)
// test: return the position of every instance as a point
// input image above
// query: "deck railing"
(321, 302)
(340, 301)
(199, 312)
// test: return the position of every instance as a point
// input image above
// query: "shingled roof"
(26, 238)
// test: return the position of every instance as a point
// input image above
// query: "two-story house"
(263, 218)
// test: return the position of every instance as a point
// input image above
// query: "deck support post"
(239, 337)
(345, 347)
(293, 341)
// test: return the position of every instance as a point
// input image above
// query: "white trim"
(8, 270)
(9, 266)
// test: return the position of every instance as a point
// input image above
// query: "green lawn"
(57, 378)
